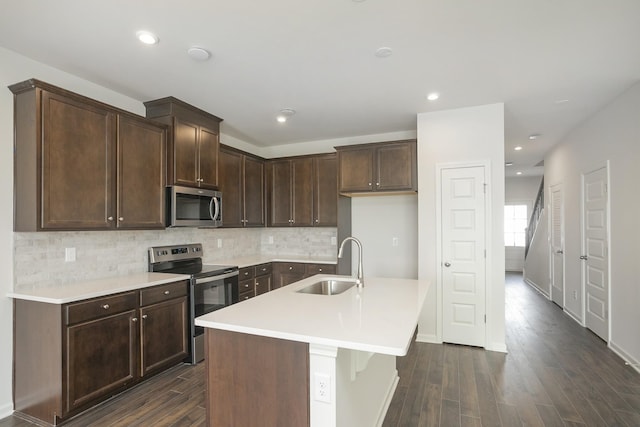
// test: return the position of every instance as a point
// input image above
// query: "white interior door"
(595, 274)
(463, 255)
(557, 245)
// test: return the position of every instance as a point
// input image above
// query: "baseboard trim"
(573, 316)
(537, 288)
(633, 363)
(498, 347)
(6, 410)
(430, 338)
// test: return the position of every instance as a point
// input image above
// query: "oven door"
(209, 294)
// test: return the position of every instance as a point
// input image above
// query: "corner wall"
(474, 134)
(612, 134)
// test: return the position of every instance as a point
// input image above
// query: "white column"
(322, 366)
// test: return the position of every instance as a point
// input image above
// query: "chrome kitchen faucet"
(360, 275)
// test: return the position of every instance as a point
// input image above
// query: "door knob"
(583, 257)
(447, 264)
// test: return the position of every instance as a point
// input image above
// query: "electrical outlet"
(322, 387)
(575, 295)
(219, 243)
(394, 242)
(334, 240)
(271, 240)
(69, 254)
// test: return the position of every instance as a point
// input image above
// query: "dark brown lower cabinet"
(254, 280)
(255, 381)
(286, 273)
(69, 357)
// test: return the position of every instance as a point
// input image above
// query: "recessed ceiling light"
(561, 101)
(147, 37)
(284, 114)
(534, 136)
(518, 148)
(509, 164)
(198, 53)
(384, 52)
(433, 96)
(518, 173)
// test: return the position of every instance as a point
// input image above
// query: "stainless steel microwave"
(193, 207)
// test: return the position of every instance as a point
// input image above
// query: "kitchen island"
(288, 358)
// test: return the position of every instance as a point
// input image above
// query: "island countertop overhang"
(379, 318)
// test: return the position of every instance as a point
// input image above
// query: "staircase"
(535, 217)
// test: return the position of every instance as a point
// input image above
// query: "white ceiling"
(317, 57)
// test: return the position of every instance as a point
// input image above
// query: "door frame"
(583, 277)
(488, 239)
(550, 244)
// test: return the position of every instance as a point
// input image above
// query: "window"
(515, 225)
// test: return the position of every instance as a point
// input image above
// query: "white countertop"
(248, 260)
(380, 318)
(96, 288)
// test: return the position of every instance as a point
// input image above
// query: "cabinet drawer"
(246, 286)
(163, 293)
(263, 269)
(292, 267)
(312, 269)
(246, 273)
(245, 296)
(100, 307)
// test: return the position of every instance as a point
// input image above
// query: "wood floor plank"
(450, 413)
(508, 415)
(549, 416)
(412, 407)
(450, 373)
(432, 406)
(468, 391)
(466, 421)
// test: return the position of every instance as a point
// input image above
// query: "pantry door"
(595, 243)
(463, 253)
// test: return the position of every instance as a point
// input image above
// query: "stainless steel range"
(211, 286)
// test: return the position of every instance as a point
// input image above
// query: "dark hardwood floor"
(555, 374)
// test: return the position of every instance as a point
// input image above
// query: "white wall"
(16, 68)
(612, 134)
(474, 134)
(376, 221)
(520, 191)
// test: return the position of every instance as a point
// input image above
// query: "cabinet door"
(325, 191)
(285, 273)
(254, 192)
(396, 167)
(163, 334)
(355, 169)
(302, 194)
(262, 284)
(280, 193)
(100, 358)
(230, 170)
(208, 155)
(78, 164)
(141, 174)
(185, 152)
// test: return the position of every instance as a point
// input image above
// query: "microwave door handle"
(211, 208)
(216, 212)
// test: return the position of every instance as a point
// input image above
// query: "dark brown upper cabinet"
(379, 167)
(325, 190)
(303, 191)
(242, 184)
(194, 144)
(83, 165)
(290, 182)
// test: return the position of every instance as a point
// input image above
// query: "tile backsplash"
(39, 258)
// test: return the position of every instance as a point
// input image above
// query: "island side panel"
(256, 381)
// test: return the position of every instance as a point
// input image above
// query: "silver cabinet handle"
(584, 257)
(167, 292)
(317, 221)
(320, 270)
(120, 219)
(447, 264)
(109, 218)
(377, 184)
(106, 306)
(135, 319)
(290, 268)
(144, 316)
(369, 184)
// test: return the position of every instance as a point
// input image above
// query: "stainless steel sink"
(328, 287)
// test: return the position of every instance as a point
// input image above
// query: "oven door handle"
(215, 278)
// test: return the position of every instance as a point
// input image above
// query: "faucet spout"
(360, 275)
